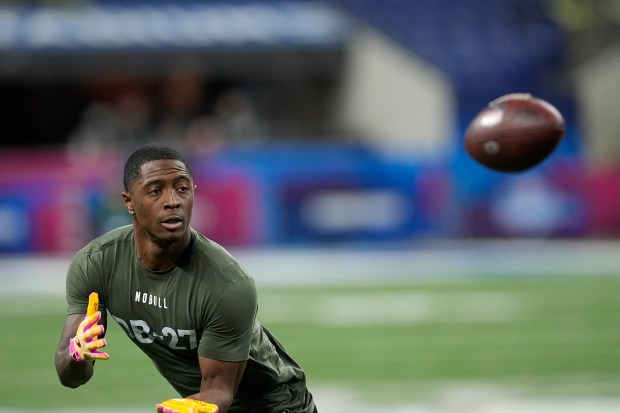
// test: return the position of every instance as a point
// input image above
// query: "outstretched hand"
(86, 343)
(186, 406)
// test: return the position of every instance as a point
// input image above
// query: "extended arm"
(70, 372)
(228, 332)
(220, 380)
(79, 345)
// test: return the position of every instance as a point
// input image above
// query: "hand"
(86, 344)
(186, 406)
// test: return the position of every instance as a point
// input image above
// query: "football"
(514, 132)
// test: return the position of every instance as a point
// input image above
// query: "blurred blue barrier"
(307, 194)
(320, 193)
(15, 227)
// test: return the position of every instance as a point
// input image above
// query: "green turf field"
(556, 336)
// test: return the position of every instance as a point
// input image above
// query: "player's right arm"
(71, 372)
(79, 345)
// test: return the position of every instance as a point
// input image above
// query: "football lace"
(510, 96)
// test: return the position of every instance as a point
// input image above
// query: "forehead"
(163, 169)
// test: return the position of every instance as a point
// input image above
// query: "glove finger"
(204, 407)
(93, 303)
(98, 355)
(95, 344)
(90, 320)
(176, 406)
(92, 333)
(162, 409)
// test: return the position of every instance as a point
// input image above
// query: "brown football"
(514, 132)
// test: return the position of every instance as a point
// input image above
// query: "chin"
(173, 237)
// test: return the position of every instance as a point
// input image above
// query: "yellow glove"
(186, 406)
(86, 344)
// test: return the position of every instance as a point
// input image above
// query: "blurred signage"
(169, 26)
(296, 196)
(227, 208)
(15, 230)
(546, 202)
(530, 205)
(355, 210)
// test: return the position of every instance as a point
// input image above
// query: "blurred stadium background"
(326, 143)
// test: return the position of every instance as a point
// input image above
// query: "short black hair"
(147, 153)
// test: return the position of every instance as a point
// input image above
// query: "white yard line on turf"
(463, 399)
(329, 265)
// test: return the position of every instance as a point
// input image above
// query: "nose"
(171, 200)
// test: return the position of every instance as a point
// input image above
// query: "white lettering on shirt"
(150, 299)
(176, 339)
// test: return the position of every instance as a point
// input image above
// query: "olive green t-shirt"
(205, 305)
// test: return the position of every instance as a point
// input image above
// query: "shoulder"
(89, 266)
(219, 260)
(117, 237)
(207, 249)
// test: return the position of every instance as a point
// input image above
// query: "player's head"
(148, 153)
(159, 194)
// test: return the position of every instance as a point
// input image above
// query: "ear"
(128, 202)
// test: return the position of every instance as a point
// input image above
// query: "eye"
(154, 191)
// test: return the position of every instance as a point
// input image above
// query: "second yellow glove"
(186, 406)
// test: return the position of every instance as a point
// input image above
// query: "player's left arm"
(220, 380)
(227, 336)
(219, 383)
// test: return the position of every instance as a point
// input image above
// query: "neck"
(159, 256)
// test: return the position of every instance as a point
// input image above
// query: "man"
(183, 299)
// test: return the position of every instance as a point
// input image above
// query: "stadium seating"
(483, 46)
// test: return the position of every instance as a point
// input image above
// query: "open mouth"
(172, 223)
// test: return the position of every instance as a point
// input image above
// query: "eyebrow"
(162, 181)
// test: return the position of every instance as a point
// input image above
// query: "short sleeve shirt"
(203, 306)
